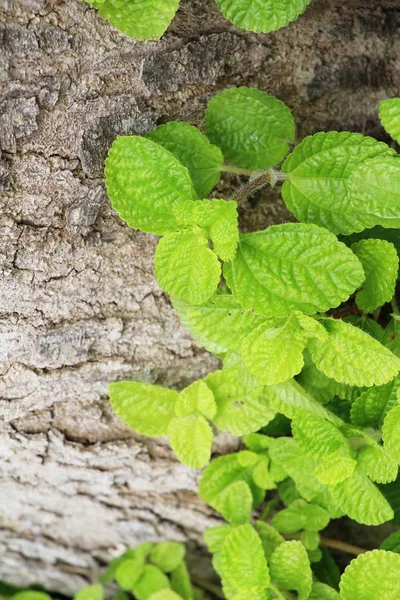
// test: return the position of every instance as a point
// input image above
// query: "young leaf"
(263, 17)
(374, 191)
(321, 591)
(144, 181)
(152, 580)
(391, 433)
(389, 115)
(381, 264)
(290, 568)
(242, 565)
(192, 149)
(292, 267)
(185, 267)
(310, 540)
(317, 436)
(269, 537)
(145, 408)
(89, 592)
(317, 172)
(377, 464)
(361, 500)
(167, 555)
(372, 406)
(371, 576)
(191, 439)
(301, 515)
(220, 324)
(180, 582)
(214, 537)
(235, 503)
(197, 397)
(141, 21)
(128, 572)
(351, 356)
(252, 129)
(242, 405)
(335, 467)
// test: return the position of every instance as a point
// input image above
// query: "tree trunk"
(79, 303)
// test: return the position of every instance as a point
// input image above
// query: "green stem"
(269, 508)
(236, 170)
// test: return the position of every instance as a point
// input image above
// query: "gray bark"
(79, 305)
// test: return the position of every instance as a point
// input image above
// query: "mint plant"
(293, 313)
(149, 20)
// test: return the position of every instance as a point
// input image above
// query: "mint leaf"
(317, 436)
(252, 129)
(321, 591)
(235, 503)
(143, 22)
(371, 576)
(89, 592)
(263, 17)
(180, 582)
(165, 595)
(290, 568)
(191, 439)
(335, 467)
(128, 572)
(381, 264)
(185, 267)
(392, 543)
(152, 580)
(372, 406)
(214, 537)
(32, 595)
(144, 181)
(269, 537)
(318, 170)
(374, 191)
(361, 500)
(391, 433)
(197, 397)
(292, 267)
(145, 408)
(377, 464)
(275, 354)
(167, 555)
(220, 324)
(301, 515)
(243, 406)
(242, 565)
(192, 149)
(351, 356)
(389, 115)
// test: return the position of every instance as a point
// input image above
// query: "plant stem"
(236, 170)
(338, 545)
(269, 507)
(208, 586)
(255, 184)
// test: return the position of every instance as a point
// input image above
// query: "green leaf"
(381, 264)
(165, 595)
(192, 149)
(197, 397)
(128, 572)
(269, 537)
(389, 115)
(372, 576)
(292, 267)
(243, 406)
(301, 515)
(220, 324)
(142, 551)
(191, 439)
(372, 406)
(145, 408)
(317, 436)
(377, 464)
(257, 442)
(391, 433)
(89, 592)
(235, 503)
(167, 555)
(275, 354)
(262, 17)
(317, 173)
(374, 191)
(391, 491)
(214, 537)
(180, 582)
(185, 267)
(290, 568)
(322, 387)
(262, 475)
(392, 543)
(32, 595)
(361, 500)
(351, 356)
(377, 233)
(310, 540)
(252, 128)
(242, 565)
(141, 21)
(335, 467)
(321, 591)
(144, 181)
(152, 580)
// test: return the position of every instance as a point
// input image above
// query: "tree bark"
(79, 305)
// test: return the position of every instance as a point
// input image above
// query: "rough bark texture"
(79, 305)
